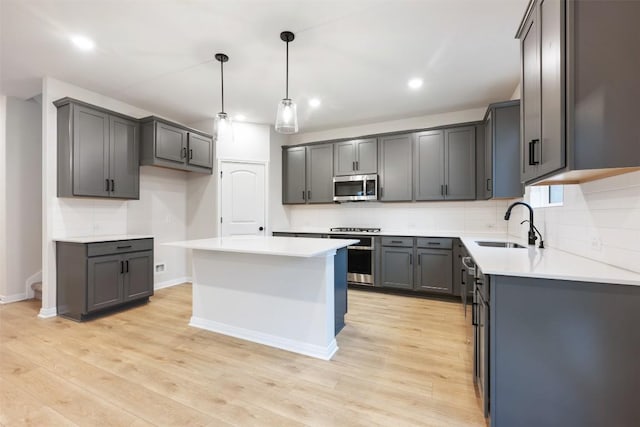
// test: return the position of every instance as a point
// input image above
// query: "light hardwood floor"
(402, 362)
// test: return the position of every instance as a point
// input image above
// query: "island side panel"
(281, 301)
(564, 353)
(340, 286)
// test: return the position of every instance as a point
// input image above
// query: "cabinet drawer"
(435, 243)
(119, 246)
(397, 241)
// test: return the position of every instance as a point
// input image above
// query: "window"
(543, 196)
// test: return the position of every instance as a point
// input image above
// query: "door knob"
(260, 228)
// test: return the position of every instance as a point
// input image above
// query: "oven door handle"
(361, 248)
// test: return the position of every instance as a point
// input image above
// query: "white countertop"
(544, 264)
(280, 246)
(107, 238)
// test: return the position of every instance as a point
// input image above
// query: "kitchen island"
(288, 293)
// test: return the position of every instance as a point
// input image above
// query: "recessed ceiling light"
(240, 117)
(314, 102)
(415, 83)
(83, 43)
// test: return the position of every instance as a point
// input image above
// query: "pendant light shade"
(223, 126)
(287, 116)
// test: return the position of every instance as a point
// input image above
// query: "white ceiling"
(355, 55)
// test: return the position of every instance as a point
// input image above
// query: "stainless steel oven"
(360, 259)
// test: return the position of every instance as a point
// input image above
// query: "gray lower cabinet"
(96, 276)
(434, 271)
(174, 146)
(445, 164)
(562, 353)
(357, 157)
(307, 174)
(499, 175)
(397, 267)
(97, 152)
(395, 168)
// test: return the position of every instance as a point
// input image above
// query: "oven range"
(360, 256)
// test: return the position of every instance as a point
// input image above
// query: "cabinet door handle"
(419, 262)
(442, 190)
(353, 166)
(357, 165)
(308, 194)
(532, 152)
(303, 194)
(381, 191)
(488, 184)
(107, 185)
(462, 273)
(190, 153)
(446, 189)
(127, 261)
(113, 185)
(410, 259)
(121, 267)
(184, 152)
(473, 315)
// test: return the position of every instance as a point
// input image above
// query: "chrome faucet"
(532, 228)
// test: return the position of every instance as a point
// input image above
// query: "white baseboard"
(319, 352)
(172, 282)
(46, 313)
(12, 298)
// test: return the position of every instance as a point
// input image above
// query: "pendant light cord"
(287, 85)
(222, 83)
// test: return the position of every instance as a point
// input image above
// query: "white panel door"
(242, 199)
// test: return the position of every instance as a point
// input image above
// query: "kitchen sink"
(499, 244)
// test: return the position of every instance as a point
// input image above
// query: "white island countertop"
(105, 238)
(544, 264)
(266, 245)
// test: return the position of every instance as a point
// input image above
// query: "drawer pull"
(396, 241)
(124, 247)
(434, 243)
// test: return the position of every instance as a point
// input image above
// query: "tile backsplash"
(476, 216)
(599, 220)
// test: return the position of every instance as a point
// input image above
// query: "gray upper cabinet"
(307, 174)
(396, 168)
(429, 169)
(580, 131)
(445, 164)
(320, 173)
(500, 175)
(460, 163)
(97, 152)
(357, 157)
(294, 188)
(172, 145)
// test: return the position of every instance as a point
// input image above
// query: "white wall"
(75, 216)
(411, 123)
(3, 198)
(599, 220)
(278, 213)
(23, 193)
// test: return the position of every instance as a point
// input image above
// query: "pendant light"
(223, 126)
(287, 117)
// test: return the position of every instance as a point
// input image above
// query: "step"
(37, 290)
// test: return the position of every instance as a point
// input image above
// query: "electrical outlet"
(596, 243)
(160, 268)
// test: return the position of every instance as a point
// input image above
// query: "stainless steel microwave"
(355, 188)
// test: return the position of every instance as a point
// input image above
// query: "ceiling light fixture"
(83, 43)
(415, 83)
(314, 102)
(287, 117)
(223, 126)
